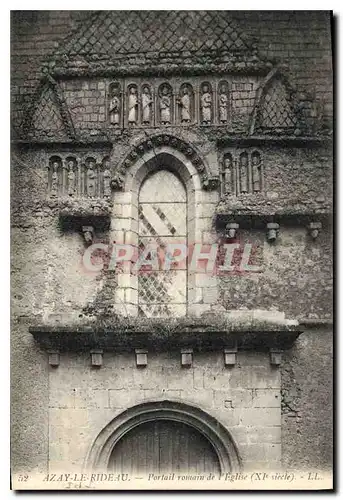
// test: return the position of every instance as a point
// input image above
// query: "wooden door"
(164, 446)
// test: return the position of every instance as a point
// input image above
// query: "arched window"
(162, 214)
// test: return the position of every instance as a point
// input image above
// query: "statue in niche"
(223, 102)
(133, 106)
(114, 109)
(71, 178)
(185, 104)
(228, 175)
(146, 105)
(165, 103)
(206, 105)
(107, 179)
(54, 178)
(243, 174)
(91, 179)
(256, 173)
(64, 178)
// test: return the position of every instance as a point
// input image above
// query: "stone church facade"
(209, 131)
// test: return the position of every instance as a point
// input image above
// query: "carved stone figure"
(206, 105)
(223, 102)
(88, 234)
(146, 105)
(107, 182)
(185, 104)
(114, 110)
(71, 178)
(64, 179)
(91, 179)
(256, 173)
(54, 178)
(165, 103)
(228, 175)
(243, 174)
(133, 106)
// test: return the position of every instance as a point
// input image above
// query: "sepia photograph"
(172, 219)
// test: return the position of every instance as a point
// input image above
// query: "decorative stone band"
(208, 182)
(155, 335)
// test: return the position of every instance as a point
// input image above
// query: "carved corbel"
(96, 357)
(314, 229)
(231, 230)
(186, 357)
(54, 358)
(88, 234)
(230, 356)
(275, 357)
(272, 231)
(141, 357)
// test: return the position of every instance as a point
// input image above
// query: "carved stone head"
(228, 162)
(244, 160)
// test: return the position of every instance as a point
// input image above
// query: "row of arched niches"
(205, 103)
(73, 176)
(241, 172)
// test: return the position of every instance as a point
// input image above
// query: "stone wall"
(244, 398)
(307, 402)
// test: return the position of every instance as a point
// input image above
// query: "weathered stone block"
(239, 398)
(260, 416)
(269, 434)
(122, 398)
(266, 398)
(257, 378)
(91, 398)
(210, 295)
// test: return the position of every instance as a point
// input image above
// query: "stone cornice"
(166, 335)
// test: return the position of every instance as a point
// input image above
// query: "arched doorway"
(162, 214)
(146, 429)
(163, 446)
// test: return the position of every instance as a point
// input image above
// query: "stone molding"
(208, 182)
